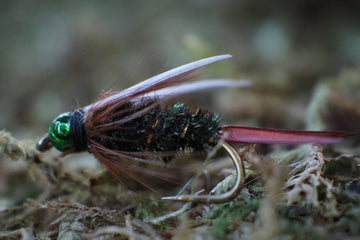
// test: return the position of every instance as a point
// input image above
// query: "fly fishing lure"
(136, 124)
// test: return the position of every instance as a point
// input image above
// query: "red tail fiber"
(279, 136)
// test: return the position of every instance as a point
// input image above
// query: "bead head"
(60, 132)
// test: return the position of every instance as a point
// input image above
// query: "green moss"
(226, 216)
(308, 231)
(350, 220)
(146, 209)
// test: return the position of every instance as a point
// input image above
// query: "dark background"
(57, 55)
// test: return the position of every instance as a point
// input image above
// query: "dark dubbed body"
(161, 129)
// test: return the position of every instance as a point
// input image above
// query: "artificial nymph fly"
(136, 124)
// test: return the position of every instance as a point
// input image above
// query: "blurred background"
(57, 55)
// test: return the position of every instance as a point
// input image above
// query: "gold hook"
(44, 143)
(222, 198)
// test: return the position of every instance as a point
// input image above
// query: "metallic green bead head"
(60, 133)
